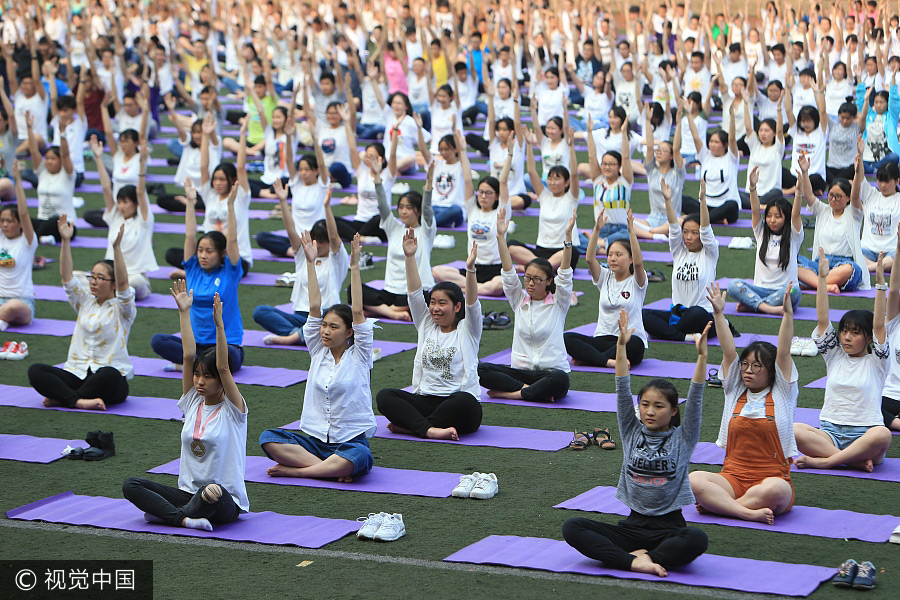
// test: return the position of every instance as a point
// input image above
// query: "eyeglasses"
(486, 192)
(93, 277)
(836, 196)
(534, 280)
(752, 367)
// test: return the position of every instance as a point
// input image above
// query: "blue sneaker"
(865, 578)
(846, 574)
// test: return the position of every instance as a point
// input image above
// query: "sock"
(660, 237)
(201, 523)
(689, 337)
(152, 518)
(3, 325)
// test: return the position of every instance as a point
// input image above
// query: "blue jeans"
(231, 84)
(279, 322)
(448, 216)
(175, 147)
(872, 167)
(612, 232)
(169, 347)
(754, 295)
(835, 261)
(340, 174)
(873, 256)
(369, 132)
(356, 451)
(424, 111)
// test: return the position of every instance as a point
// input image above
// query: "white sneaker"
(475, 175)
(400, 188)
(796, 346)
(486, 487)
(337, 187)
(47, 240)
(511, 228)
(895, 537)
(464, 488)
(376, 354)
(809, 348)
(444, 241)
(78, 201)
(17, 352)
(370, 240)
(286, 280)
(370, 525)
(6, 348)
(392, 528)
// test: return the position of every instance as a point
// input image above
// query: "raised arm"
(624, 336)
(21, 204)
(893, 304)
(822, 319)
(287, 218)
(593, 161)
(356, 294)
(471, 279)
(752, 180)
(241, 163)
(311, 251)
(334, 238)
(184, 298)
(536, 182)
(627, 172)
(732, 138)
(105, 183)
(120, 269)
(232, 393)
(190, 220)
(640, 276)
(464, 162)
(36, 157)
(878, 327)
(410, 245)
(716, 297)
(593, 264)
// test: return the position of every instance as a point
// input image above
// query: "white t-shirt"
(721, 176)
(616, 296)
(696, 81)
(418, 89)
(692, 272)
(367, 208)
(836, 93)
(842, 145)
(75, 133)
(770, 275)
(189, 165)
(892, 381)
(687, 139)
(552, 156)
(813, 145)
(606, 140)
(882, 215)
(125, 171)
(275, 163)
(516, 180)
(408, 133)
(137, 241)
(554, 216)
(38, 107)
(335, 146)
(854, 384)
(769, 159)
(502, 108)
(372, 112)
(802, 97)
(216, 217)
(482, 228)
(551, 103)
(448, 184)
(442, 123)
(55, 193)
(395, 265)
(330, 272)
(223, 433)
(16, 260)
(307, 202)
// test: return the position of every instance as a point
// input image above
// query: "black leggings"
(172, 505)
(478, 143)
(729, 210)
(257, 186)
(667, 538)
(693, 320)
(175, 257)
(44, 227)
(169, 203)
(57, 384)
(418, 413)
(765, 199)
(95, 219)
(347, 228)
(789, 180)
(543, 385)
(890, 410)
(596, 351)
(832, 173)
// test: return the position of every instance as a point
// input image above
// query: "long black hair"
(345, 314)
(784, 255)
(668, 391)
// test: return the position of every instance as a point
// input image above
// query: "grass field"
(530, 482)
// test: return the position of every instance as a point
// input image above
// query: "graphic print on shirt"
(650, 462)
(329, 145)
(881, 223)
(438, 359)
(481, 231)
(688, 272)
(445, 184)
(6, 259)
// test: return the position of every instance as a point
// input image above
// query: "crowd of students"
(346, 93)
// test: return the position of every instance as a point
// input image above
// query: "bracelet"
(468, 270)
(142, 174)
(881, 286)
(567, 244)
(753, 189)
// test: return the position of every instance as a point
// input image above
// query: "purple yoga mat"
(55, 293)
(709, 454)
(142, 407)
(89, 241)
(741, 342)
(810, 416)
(260, 254)
(487, 435)
(650, 367)
(151, 178)
(802, 520)
(803, 313)
(118, 513)
(95, 241)
(574, 400)
(25, 448)
(709, 570)
(870, 293)
(251, 278)
(247, 375)
(254, 338)
(289, 308)
(382, 480)
(55, 327)
(256, 214)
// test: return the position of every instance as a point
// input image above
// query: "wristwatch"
(567, 244)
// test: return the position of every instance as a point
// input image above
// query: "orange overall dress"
(753, 451)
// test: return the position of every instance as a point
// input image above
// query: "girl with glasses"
(756, 429)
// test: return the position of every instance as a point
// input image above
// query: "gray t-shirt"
(8, 144)
(842, 145)
(654, 479)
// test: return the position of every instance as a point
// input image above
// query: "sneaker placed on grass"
(392, 528)
(865, 578)
(337, 187)
(286, 280)
(846, 574)
(370, 240)
(17, 352)
(895, 537)
(400, 188)
(486, 487)
(47, 240)
(370, 525)
(7, 346)
(796, 344)
(366, 261)
(809, 348)
(443, 242)
(464, 488)
(376, 354)
(78, 201)
(172, 368)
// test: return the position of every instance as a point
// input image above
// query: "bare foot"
(863, 465)
(446, 433)
(345, 479)
(762, 515)
(579, 363)
(90, 404)
(177, 274)
(643, 564)
(48, 402)
(290, 252)
(574, 301)
(284, 471)
(397, 429)
(702, 510)
(800, 462)
(351, 200)
(834, 288)
(282, 340)
(744, 308)
(611, 363)
(402, 315)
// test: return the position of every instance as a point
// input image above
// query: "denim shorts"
(834, 261)
(843, 435)
(873, 256)
(28, 301)
(356, 450)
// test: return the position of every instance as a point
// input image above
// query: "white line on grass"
(671, 588)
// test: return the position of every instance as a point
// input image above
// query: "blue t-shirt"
(61, 88)
(205, 284)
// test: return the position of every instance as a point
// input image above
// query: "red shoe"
(6, 348)
(17, 352)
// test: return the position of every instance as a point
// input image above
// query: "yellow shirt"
(441, 74)
(193, 66)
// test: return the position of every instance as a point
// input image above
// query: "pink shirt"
(395, 75)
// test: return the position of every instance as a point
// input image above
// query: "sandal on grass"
(603, 438)
(501, 321)
(713, 380)
(580, 441)
(655, 276)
